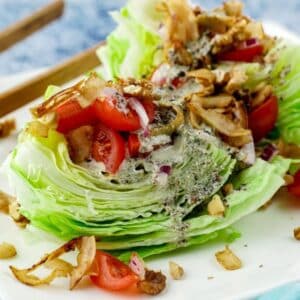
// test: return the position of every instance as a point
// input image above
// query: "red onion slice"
(165, 169)
(251, 42)
(269, 152)
(140, 110)
(137, 265)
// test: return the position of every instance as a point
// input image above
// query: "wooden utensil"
(23, 28)
(60, 74)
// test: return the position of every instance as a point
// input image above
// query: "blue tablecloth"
(86, 23)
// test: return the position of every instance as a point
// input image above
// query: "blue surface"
(86, 22)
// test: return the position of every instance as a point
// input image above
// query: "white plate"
(267, 248)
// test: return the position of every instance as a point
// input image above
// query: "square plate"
(267, 247)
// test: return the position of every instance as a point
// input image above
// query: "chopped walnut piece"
(288, 150)
(153, 284)
(215, 22)
(5, 200)
(6, 127)
(297, 233)
(233, 8)
(218, 101)
(255, 30)
(228, 188)
(228, 260)
(235, 33)
(216, 206)
(7, 251)
(176, 271)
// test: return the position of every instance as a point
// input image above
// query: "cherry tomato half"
(133, 145)
(262, 119)
(245, 54)
(71, 115)
(108, 147)
(112, 274)
(108, 114)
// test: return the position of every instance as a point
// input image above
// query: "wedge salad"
(191, 124)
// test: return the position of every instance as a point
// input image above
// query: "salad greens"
(158, 199)
(63, 198)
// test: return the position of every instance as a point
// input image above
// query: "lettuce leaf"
(68, 201)
(132, 49)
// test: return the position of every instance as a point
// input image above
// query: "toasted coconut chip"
(7, 251)
(219, 101)
(85, 258)
(216, 206)
(15, 214)
(195, 120)
(221, 122)
(228, 260)
(153, 284)
(59, 267)
(215, 22)
(180, 22)
(6, 127)
(237, 79)
(85, 92)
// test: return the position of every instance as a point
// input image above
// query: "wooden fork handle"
(27, 91)
(25, 27)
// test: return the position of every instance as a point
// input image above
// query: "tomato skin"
(113, 274)
(245, 54)
(110, 116)
(109, 148)
(294, 188)
(71, 115)
(133, 145)
(262, 119)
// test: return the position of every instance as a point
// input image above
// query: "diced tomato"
(245, 54)
(150, 109)
(294, 188)
(133, 145)
(112, 274)
(109, 148)
(262, 119)
(71, 115)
